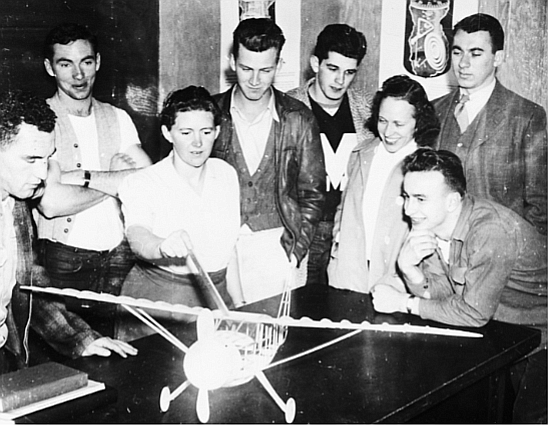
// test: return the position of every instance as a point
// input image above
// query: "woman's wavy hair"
(191, 98)
(402, 87)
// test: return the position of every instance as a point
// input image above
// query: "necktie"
(460, 112)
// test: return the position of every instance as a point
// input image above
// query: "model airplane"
(235, 346)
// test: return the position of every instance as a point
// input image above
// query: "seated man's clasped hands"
(466, 261)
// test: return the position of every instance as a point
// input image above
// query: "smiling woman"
(185, 197)
(396, 123)
(369, 224)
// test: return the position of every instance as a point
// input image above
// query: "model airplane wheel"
(202, 406)
(165, 399)
(290, 410)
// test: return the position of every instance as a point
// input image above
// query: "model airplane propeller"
(235, 346)
(232, 357)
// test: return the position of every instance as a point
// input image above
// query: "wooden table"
(371, 377)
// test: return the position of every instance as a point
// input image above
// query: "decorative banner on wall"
(426, 52)
(286, 14)
(415, 40)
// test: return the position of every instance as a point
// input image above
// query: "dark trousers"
(155, 284)
(83, 269)
(529, 382)
(319, 254)
(8, 361)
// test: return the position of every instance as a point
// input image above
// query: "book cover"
(37, 383)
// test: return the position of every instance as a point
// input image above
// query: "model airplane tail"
(245, 317)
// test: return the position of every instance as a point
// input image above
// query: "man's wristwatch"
(87, 178)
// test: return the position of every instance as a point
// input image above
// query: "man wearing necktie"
(499, 136)
(468, 260)
(461, 114)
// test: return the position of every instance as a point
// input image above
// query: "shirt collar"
(463, 223)
(270, 109)
(7, 204)
(482, 95)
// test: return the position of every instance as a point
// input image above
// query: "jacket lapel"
(447, 107)
(491, 116)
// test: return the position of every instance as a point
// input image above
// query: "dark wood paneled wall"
(189, 44)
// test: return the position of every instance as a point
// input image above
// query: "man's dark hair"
(17, 107)
(342, 39)
(66, 33)
(402, 87)
(258, 35)
(483, 22)
(447, 163)
(191, 98)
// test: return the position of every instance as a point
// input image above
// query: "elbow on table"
(476, 319)
(479, 322)
(457, 316)
(468, 322)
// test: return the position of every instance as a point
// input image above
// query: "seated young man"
(186, 196)
(468, 260)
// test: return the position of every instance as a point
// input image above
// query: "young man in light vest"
(79, 220)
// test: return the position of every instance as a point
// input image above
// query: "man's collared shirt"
(253, 136)
(445, 249)
(8, 262)
(478, 100)
(496, 269)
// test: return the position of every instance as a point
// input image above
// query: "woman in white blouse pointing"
(186, 195)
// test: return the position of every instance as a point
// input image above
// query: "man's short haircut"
(17, 107)
(342, 39)
(447, 163)
(402, 87)
(191, 98)
(258, 35)
(483, 22)
(66, 33)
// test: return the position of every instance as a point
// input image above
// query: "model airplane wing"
(239, 316)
